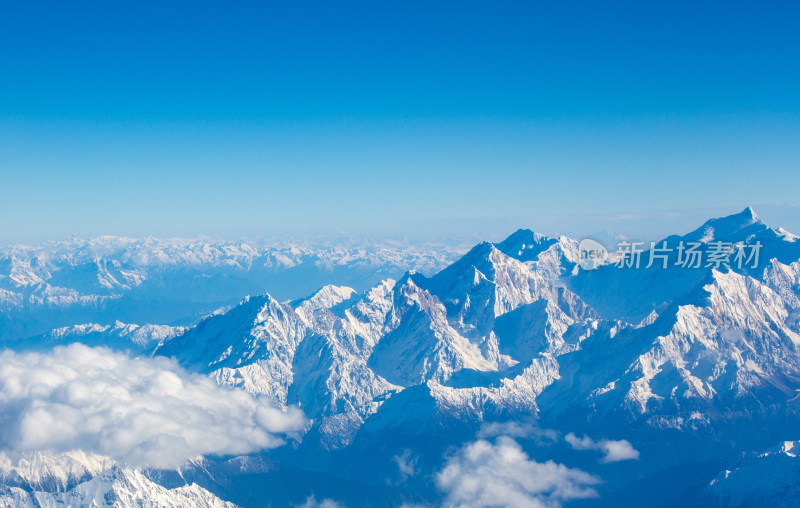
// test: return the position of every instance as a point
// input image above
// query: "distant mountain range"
(110, 279)
(665, 385)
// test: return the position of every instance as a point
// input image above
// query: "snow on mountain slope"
(336, 387)
(632, 294)
(114, 487)
(304, 355)
(735, 343)
(326, 298)
(79, 479)
(525, 245)
(119, 336)
(363, 324)
(251, 346)
(484, 284)
(420, 344)
(768, 478)
(509, 396)
(785, 281)
(726, 349)
(50, 472)
(483, 288)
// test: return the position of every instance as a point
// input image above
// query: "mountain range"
(509, 375)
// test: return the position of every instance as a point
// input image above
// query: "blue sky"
(179, 118)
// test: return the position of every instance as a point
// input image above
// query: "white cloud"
(138, 411)
(613, 451)
(618, 450)
(580, 443)
(518, 430)
(500, 474)
(406, 464)
(311, 502)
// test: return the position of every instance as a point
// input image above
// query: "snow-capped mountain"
(767, 478)
(44, 479)
(119, 336)
(664, 369)
(118, 488)
(631, 294)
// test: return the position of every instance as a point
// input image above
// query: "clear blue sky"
(185, 118)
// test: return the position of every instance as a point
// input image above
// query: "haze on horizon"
(258, 119)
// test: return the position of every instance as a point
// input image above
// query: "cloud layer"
(500, 474)
(613, 451)
(138, 411)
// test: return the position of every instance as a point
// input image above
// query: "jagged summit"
(522, 245)
(749, 210)
(325, 297)
(731, 228)
(525, 245)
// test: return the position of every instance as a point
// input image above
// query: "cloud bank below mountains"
(494, 470)
(141, 412)
(486, 474)
(613, 451)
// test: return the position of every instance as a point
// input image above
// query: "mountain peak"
(748, 214)
(735, 227)
(525, 245)
(746, 217)
(523, 234)
(751, 214)
(325, 297)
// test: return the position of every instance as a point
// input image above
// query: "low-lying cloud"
(137, 411)
(311, 502)
(406, 464)
(516, 429)
(500, 474)
(613, 451)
